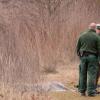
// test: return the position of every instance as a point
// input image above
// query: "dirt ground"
(68, 75)
(71, 96)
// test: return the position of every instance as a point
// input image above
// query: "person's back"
(88, 42)
(98, 33)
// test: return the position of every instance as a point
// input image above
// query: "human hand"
(99, 62)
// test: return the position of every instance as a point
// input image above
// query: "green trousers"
(87, 74)
(98, 75)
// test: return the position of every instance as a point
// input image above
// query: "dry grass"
(8, 93)
(68, 80)
(35, 33)
(67, 74)
(71, 96)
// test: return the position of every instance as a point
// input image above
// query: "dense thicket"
(40, 33)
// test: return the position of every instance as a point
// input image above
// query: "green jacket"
(89, 42)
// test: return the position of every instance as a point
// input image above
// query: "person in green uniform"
(88, 50)
(98, 33)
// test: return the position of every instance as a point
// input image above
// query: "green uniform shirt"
(99, 49)
(89, 42)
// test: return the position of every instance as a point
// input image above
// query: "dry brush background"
(39, 35)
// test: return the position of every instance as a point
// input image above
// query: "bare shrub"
(35, 33)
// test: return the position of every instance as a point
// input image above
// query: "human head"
(92, 26)
(98, 29)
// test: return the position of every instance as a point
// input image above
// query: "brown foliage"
(38, 33)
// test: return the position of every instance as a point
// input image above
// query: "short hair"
(92, 26)
(98, 26)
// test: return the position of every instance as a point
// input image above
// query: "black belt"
(86, 53)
